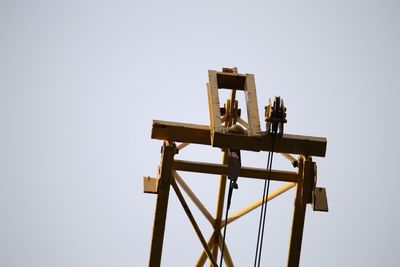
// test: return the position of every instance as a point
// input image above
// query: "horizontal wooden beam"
(181, 132)
(200, 134)
(222, 169)
(231, 81)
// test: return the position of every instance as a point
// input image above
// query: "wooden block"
(308, 183)
(231, 81)
(320, 200)
(150, 185)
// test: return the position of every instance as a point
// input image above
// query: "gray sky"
(80, 82)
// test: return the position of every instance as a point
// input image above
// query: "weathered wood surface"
(200, 134)
(222, 169)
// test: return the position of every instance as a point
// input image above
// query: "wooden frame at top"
(233, 81)
(220, 134)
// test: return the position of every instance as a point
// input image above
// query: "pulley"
(275, 116)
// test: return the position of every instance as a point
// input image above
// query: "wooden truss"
(222, 133)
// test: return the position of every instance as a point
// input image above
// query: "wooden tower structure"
(228, 130)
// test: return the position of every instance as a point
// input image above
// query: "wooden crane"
(228, 130)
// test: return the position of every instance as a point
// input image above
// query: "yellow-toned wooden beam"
(194, 198)
(222, 169)
(200, 134)
(194, 223)
(252, 106)
(220, 206)
(227, 254)
(258, 203)
(160, 216)
(182, 146)
(203, 256)
(292, 159)
(181, 132)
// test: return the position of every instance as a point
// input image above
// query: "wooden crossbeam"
(200, 134)
(230, 80)
(222, 169)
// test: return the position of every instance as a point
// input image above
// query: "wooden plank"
(320, 202)
(299, 214)
(194, 223)
(181, 132)
(160, 217)
(213, 103)
(237, 141)
(295, 144)
(309, 181)
(230, 80)
(200, 134)
(150, 185)
(253, 117)
(246, 172)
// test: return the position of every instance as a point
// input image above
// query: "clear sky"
(81, 81)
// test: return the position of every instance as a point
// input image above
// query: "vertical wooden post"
(220, 207)
(305, 164)
(167, 158)
(253, 118)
